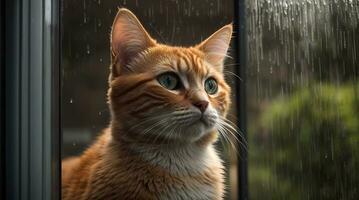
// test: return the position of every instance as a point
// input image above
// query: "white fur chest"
(189, 191)
(197, 174)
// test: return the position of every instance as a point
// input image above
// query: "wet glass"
(86, 26)
(303, 99)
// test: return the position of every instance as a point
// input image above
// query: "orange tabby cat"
(166, 105)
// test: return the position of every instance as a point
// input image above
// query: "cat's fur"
(159, 145)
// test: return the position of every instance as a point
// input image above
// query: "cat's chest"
(194, 178)
(168, 177)
(207, 185)
(191, 190)
(146, 185)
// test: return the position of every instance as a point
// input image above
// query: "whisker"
(234, 136)
(159, 134)
(150, 119)
(235, 130)
(161, 122)
(227, 140)
(227, 131)
(234, 127)
(232, 64)
(233, 74)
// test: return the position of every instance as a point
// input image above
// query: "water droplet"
(88, 49)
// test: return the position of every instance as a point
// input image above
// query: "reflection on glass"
(303, 94)
(86, 58)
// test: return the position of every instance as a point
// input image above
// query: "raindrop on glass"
(88, 49)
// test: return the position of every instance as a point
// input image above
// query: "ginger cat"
(167, 105)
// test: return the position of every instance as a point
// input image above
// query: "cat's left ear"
(216, 46)
(128, 39)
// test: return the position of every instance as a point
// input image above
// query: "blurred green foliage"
(314, 143)
(303, 99)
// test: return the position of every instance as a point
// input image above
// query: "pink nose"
(201, 105)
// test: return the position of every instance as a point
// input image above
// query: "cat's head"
(166, 93)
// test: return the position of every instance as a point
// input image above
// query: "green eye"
(169, 80)
(210, 85)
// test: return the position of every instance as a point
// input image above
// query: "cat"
(166, 103)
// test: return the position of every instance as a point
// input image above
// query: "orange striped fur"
(159, 144)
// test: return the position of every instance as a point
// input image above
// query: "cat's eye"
(169, 81)
(211, 86)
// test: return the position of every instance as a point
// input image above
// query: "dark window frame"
(2, 100)
(239, 22)
(32, 91)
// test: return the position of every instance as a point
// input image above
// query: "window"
(302, 94)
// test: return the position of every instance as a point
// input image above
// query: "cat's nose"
(201, 105)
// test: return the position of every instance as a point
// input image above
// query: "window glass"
(303, 99)
(86, 26)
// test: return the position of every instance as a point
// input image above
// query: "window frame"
(2, 101)
(32, 92)
(240, 38)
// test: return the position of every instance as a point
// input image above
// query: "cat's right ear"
(128, 39)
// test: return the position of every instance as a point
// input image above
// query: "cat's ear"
(128, 39)
(216, 46)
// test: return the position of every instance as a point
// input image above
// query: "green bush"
(314, 142)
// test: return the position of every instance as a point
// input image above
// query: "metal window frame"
(32, 70)
(2, 101)
(240, 37)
